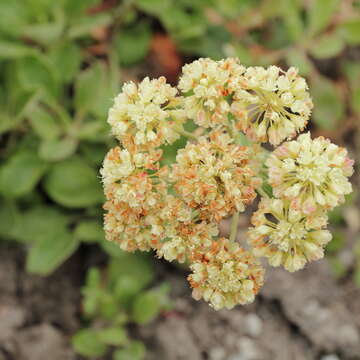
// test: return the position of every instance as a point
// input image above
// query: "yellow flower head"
(311, 173)
(271, 105)
(286, 236)
(226, 276)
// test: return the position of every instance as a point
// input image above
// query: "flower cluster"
(209, 85)
(286, 236)
(272, 105)
(312, 174)
(308, 178)
(214, 176)
(176, 210)
(226, 275)
(146, 114)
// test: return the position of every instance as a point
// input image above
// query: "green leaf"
(50, 251)
(290, 11)
(13, 50)
(352, 72)
(146, 307)
(111, 248)
(83, 26)
(336, 216)
(328, 106)
(66, 59)
(86, 343)
(298, 58)
(93, 278)
(135, 351)
(74, 8)
(57, 149)
(337, 242)
(8, 122)
(89, 231)
(32, 227)
(154, 7)
(35, 72)
(92, 91)
(355, 99)
(44, 124)
(9, 218)
(45, 33)
(109, 307)
(92, 292)
(13, 17)
(96, 131)
(320, 14)
(115, 336)
(351, 31)
(21, 173)
(132, 44)
(137, 265)
(327, 46)
(127, 287)
(72, 183)
(170, 151)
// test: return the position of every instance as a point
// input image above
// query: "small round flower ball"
(146, 114)
(286, 236)
(226, 276)
(271, 105)
(214, 175)
(126, 179)
(310, 173)
(208, 86)
(183, 239)
(125, 226)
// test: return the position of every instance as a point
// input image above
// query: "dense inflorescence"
(175, 210)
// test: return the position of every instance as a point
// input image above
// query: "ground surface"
(301, 316)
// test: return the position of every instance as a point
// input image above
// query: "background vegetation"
(62, 62)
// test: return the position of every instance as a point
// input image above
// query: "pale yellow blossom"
(311, 173)
(270, 104)
(226, 275)
(286, 236)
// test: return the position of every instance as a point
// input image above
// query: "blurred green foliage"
(62, 62)
(112, 299)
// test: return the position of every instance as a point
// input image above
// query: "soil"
(302, 316)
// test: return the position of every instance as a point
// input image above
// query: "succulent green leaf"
(20, 174)
(73, 183)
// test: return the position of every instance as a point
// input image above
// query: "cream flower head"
(286, 236)
(226, 276)
(207, 86)
(147, 113)
(271, 105)
(214, 175)
(311, 173)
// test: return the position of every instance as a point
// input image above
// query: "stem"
(234, 227)
(186, 134)
(262, 192)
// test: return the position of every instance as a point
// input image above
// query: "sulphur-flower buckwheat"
(175, 210)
